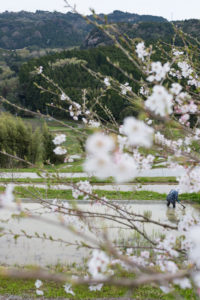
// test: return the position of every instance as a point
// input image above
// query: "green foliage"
(19, 139)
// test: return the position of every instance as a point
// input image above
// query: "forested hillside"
(148, 31)
(53, 29)
(73, 78)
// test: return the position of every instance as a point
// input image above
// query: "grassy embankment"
(26, 289)
(41, 193)
(92, 180)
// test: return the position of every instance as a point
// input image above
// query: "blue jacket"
(173, 196)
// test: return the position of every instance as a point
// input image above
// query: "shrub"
(21, 140)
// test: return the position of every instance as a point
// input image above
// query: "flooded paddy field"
(38, 251)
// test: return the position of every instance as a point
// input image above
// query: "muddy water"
(41, 252)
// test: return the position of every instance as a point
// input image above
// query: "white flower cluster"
(82, 188)
(38, 284)
(143, 162)
(122, 140)
(177, 52)
(158, 71)
(90, 122)
(186, 69)
(106, 159)
(141, 260)
(182, 98)
(96, 287)
(68, 289)
(64, 97)
(175, 145)
(160, 102)
(184, 283)
(40, 70)
(180, 108)
(189, 182)
(166, 265)
(138, 133)
(125, 88)
(94, 124)
(125, 168)
(75, 110)
(107, 81)
(176, 88)
(60, 151)
(99, 143)
(103, 162)
(59, 139)
(175, 73)
(167, 246)
(98, 265)
(98, 147)
(194, 81)
(140, 50)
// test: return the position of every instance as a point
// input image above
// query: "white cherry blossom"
(158, 71)
(99, 143)
(59, 139)
(96, 287)
(39, 292)
(68, 289)
(94, 124)
(138, 133)
(125, 88)
(176, 88)
(82, 186)
(184, 283)
(64, 97)
(125, 169)
(99, 165)
(38, 283)
(160, 101)
(40, 70)
(140, 50)
(97, 265)
(107, 81)
(60, 151)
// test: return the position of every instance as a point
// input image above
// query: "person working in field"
(172, 198)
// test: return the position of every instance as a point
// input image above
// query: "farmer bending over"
(172, 197)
